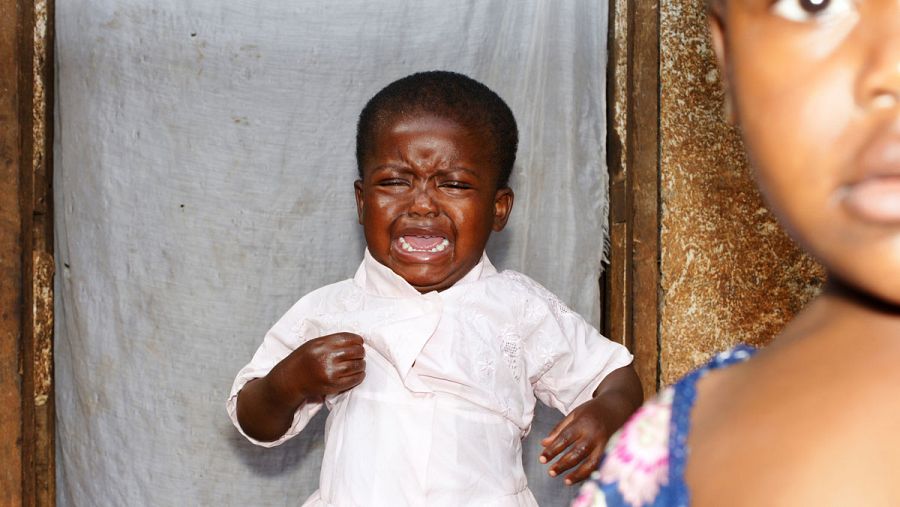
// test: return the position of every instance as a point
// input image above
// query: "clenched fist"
(329, 365)
(320, 367)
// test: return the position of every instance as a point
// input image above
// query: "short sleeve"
(573, 358)
(291, 331)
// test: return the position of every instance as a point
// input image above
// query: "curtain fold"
(204, 170)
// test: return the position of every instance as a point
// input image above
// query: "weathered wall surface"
(729, 273)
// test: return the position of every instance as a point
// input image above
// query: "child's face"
(428, 200)
(815, 86)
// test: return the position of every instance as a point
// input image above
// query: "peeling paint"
(620, 106)
(39, 100)
(43, 326)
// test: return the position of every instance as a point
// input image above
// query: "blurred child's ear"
(720, 45)
(503, 203)
(358, 190)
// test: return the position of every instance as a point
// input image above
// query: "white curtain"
(204, 169)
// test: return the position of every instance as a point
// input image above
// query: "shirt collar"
(378, 279)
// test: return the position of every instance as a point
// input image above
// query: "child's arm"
(323, 366)
(584, 432)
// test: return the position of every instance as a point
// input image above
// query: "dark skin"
(320, 367)
(813, 418)
(428, 179)
(580, 438)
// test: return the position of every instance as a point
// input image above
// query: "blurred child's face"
(815, 86)
(428, 200)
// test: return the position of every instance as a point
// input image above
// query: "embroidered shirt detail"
(452, 378)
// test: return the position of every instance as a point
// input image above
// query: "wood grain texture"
(643, 155)
(11, 254)
(26, 255)
(41, 486)
(633, 276)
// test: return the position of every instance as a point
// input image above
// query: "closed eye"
(460, 185)
(392, 182)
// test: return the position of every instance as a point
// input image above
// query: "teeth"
(439, 248)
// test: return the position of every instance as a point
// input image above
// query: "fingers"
(353, 380)
(560, 438)
(554, 433)
(346, 383)
(576, 442)
(585, 453)
(586, 468)
(349, 368)
(573, 456)
(349, 354)
(347, 346)
(346, 339)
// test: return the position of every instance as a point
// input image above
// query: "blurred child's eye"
(810, 10)
(456, 185)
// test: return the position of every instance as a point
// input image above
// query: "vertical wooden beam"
(633, 279)
(26, 254)
(643, 157)
(38, 350)
(616, 277)
(11, 256)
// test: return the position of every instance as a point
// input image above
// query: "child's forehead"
(437, 135)
(470, 141)
(428, 120)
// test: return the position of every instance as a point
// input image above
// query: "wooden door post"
(26, 254)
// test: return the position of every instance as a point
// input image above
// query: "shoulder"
(644, 461)
(330, 290)
(800, 414)
(325, 297)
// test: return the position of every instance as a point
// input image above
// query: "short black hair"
(447, 95)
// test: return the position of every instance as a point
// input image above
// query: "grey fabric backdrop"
(204, 169)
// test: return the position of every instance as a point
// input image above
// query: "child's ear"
(358, 190)
(503, 203)
(717, 29)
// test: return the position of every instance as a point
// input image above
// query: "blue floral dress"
(645, 460)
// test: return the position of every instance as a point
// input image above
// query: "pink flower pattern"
(589, 495)
(637, 457)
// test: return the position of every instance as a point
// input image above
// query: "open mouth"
(427, 244)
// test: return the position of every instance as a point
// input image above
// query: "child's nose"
(423, 203)
(879, 84)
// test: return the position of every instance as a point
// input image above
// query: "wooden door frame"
(27, 416)
(631, 282)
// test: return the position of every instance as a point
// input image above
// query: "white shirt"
(450, 387)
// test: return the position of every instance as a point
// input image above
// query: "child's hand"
(582, 435)
(330, 364)
(584, 432)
